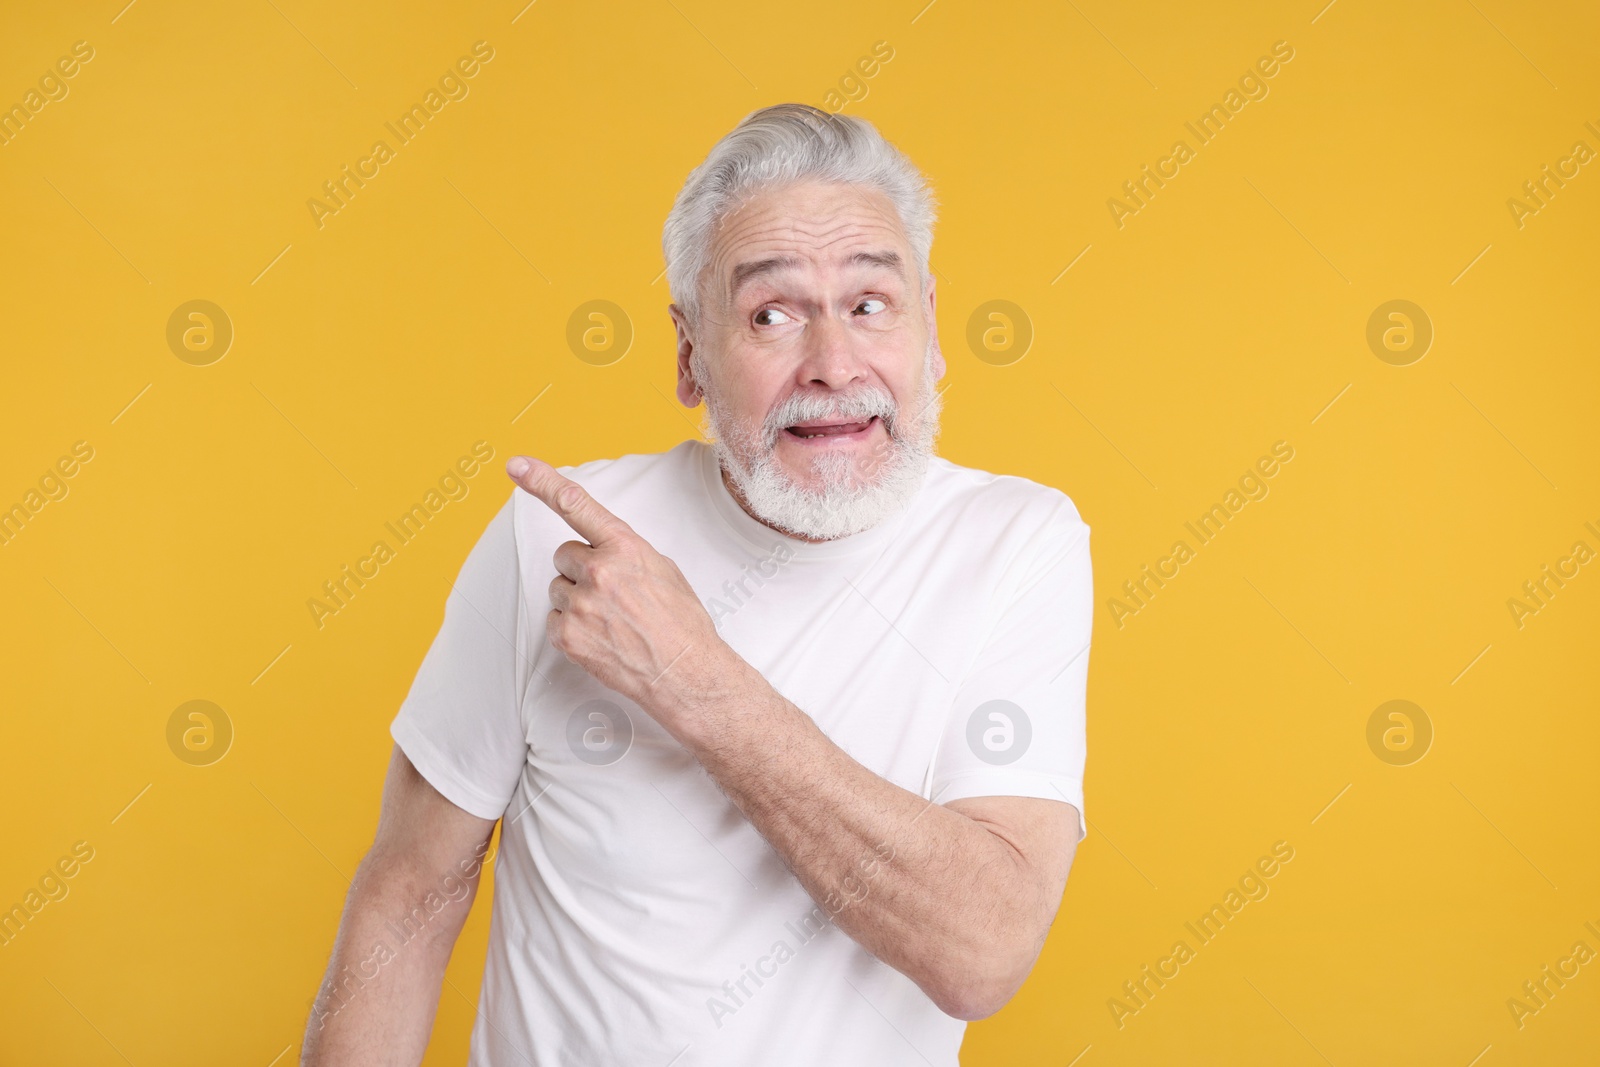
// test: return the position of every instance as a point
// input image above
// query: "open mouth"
(823, 431)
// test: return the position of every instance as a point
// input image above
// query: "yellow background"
(1226, 315)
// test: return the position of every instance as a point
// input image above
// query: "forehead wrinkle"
(816, 227)
(829, 221)
(752, 270)
(788, 232)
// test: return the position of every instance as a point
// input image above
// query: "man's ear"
(930, 311)
(688, 389)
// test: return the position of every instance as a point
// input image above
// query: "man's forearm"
(938, 896)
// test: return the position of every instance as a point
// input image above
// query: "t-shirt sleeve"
(1017, 725)
(461, 723)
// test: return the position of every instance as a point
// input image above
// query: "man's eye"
(872, 305)
(770, 317)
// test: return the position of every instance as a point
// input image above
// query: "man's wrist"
(710, 695)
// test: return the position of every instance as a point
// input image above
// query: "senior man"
(784, 733)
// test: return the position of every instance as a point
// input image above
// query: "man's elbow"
(979, 988)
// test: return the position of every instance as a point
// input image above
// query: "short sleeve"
(461, 723)
(1017, 725)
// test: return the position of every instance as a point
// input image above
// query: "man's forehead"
(749, 270)
(825, 222)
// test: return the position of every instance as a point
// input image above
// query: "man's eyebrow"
(746, 272)
(888, 260)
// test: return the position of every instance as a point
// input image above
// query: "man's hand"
(621, 610)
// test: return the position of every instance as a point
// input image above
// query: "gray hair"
(777, 146)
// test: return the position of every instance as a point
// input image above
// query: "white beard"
(853, 495)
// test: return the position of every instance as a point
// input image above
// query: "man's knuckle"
(570, 497)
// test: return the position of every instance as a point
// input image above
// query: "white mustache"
(858, 406)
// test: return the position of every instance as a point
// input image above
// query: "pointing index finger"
(567, 499)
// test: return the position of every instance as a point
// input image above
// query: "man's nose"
(830, 355)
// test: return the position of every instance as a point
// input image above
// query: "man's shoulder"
(984, 499)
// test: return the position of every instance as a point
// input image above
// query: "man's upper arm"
(422, 831)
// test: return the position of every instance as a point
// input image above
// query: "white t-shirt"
(637, 915)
